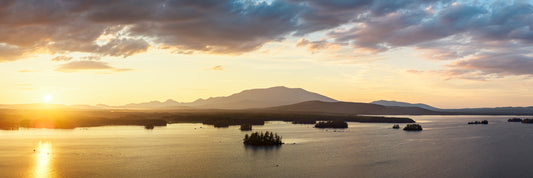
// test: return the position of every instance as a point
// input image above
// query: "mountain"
(352, 108)
(261, 98)
(254, 98)
(404, 104)
(153, 105)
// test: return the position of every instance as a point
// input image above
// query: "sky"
(449, 54)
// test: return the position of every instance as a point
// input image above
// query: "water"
(447, 147)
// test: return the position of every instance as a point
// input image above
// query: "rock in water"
(412, 127)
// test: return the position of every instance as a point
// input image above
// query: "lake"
(447, 147)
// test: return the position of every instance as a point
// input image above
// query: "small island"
(246, 127)
(527, 121)
(479, 122)
(396, 126)
(149, 126)
(514, 119)
(260, 139)
(332, 124)
(412, 127)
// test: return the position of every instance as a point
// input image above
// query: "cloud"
(444, 30)
(91, 58)
(123, 47)
(76, 66)
(27, 71)
(219, 26)
(414, 71)
(25, 86)
(457, 73)
(323, 14)
(315, 46)
(488, 66)
(62, 58)
(219, 67)
(478, 37)
(10, 53)
(133, 26)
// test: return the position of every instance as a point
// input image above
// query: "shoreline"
(67, 119)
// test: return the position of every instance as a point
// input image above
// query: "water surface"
(447, 147)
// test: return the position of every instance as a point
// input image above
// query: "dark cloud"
(475, 34)
(76, 66)
(123, 47)
(220, 26)
(411, 27)
(185, 26)
(122, 28)
(496, 65)
(10, 53)
(326, 14)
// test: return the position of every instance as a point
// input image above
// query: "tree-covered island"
(260, 139)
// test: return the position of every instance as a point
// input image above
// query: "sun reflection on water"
(43, 160)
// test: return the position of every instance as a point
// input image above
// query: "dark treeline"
(303, 121)
(514, 119)
(225, 119)
(479, 122)
(331, 124)
(246, 127)
(88, 122)
(68, 119)
(524, 121)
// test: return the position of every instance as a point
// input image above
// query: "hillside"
(404, 104)
(352, 108)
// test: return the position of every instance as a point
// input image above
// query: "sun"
(47, 98)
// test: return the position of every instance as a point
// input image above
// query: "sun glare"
(47, 98)
(43, 160)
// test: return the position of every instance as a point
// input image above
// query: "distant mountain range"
(261, 98)
(494, 111)
(168, 104)
(247, 99)
(404, 104)
(283, 99)
(466, 111)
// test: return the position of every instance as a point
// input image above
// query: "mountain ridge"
(246, 99)
(404, 104)
(352, 108)
(286, 99)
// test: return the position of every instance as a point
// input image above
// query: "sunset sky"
(446, 54)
